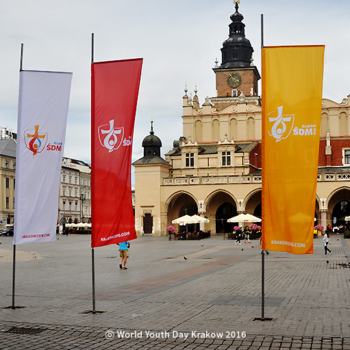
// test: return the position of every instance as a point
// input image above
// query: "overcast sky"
(178, 40)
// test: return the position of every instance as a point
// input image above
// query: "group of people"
(240, 233)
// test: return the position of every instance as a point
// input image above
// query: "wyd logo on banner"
(110, 137)
(34, 141)
(282, 124)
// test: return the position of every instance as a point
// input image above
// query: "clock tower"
(237, 75)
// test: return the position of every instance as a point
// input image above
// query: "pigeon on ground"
(202, 245)
(185, 258)
(252, 246)
(242, 250)
(327, 261)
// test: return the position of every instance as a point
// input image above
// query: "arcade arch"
(338, 206)
(253, 203)
(220, 206)
(181, 203)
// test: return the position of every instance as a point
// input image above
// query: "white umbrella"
(244, 218)
(186, 219)
(201, 219)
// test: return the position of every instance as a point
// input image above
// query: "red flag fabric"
(114, 92)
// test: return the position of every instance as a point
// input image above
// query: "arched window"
(251, 129)
(343, 124)
(233, 128)
(324, 125)
(216, 130)
(198, 130)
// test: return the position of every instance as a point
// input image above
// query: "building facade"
(75, 191)
(215, 168)
(7, 180)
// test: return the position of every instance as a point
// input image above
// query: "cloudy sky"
(178, 40)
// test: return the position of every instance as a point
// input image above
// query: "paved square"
(163, 301)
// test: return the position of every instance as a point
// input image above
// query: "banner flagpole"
(92, 249)
(262, 197)
(14, 245)
(262, 252)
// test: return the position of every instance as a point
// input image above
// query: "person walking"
(246, 235)
(238, 235)
(325, 243)
(124, 254)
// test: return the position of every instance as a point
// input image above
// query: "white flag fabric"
(42, 118)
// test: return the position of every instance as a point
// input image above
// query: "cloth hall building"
(214, 169)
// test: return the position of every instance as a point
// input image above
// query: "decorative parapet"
(242, 179)
(207, 180)
(220, 180)
(181, 181)
(329, 177)
(343, 177)
(257, 179)
(194, 180)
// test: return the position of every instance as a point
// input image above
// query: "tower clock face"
(234, 79)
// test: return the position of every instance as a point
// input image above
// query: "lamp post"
(82, 199)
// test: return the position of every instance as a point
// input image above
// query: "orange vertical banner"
(292, 79)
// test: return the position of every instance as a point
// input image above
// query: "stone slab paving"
(209, 301)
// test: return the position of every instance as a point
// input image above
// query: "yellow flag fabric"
(292, 79)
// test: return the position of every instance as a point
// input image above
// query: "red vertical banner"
(114, 93)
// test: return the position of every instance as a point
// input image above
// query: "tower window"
(347, 156)
(189, 160)
(226, 158)
(234, 55)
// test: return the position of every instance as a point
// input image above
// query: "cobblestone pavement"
(210, 300)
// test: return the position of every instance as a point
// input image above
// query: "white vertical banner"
(42, 118)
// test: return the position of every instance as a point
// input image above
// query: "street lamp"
(82, 199)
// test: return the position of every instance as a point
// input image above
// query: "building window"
(64, 191)
(7, 203)
(14, 165)
(189, 160)
(76, 180)
(76, 206)
(70, 179)
(347, 156)
(14, 183)
(13, 203)
(7, 182)
(226, 158)
(64, 178)
(7, 164)
(76, 193)
(64, 205)
(70, 206)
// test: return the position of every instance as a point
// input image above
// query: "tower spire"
(151, 132)
(236, 2)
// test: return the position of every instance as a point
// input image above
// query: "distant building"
(75, 191)
(7, 180)
(214, 169)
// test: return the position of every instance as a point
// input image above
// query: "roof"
(8, 147)
(212, 149)
(246, 147)
(150, 160)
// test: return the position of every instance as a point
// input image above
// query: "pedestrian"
(238, 235)
(325, 243)
(124, 254)
(246, 235)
